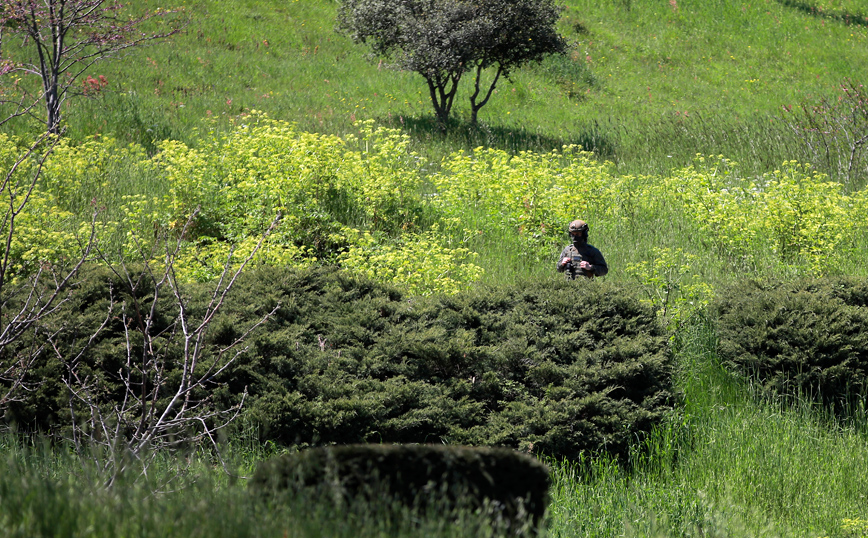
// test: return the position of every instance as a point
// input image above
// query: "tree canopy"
(444, 39)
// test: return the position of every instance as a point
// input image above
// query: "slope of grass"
(646, 84)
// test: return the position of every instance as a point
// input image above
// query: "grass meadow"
(647, 86)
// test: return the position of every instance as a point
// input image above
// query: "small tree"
(61, 39)
(168, 370)
(443, 39)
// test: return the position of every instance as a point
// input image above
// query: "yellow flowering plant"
(793, 212)
(417, 263)
(671, 285)
(855, 527)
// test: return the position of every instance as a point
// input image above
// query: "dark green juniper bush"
(506, 486)
(579, 258)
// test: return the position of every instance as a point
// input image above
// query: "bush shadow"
(464, 135)
(846, 17)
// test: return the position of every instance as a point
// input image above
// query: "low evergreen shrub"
(510, 487)
(807, 338)
(552, 367)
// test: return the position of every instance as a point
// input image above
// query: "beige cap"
(578, 226)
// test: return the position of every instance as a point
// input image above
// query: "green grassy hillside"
(647, 84)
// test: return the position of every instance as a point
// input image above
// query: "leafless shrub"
(168, 373)
(835, 133)
(27, 301)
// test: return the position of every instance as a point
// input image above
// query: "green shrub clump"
(547, 367)
(803, 338)
(510, 487)
(551, 367)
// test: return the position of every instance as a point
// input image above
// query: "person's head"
(578, 230)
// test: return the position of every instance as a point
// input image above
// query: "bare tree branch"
(28, 301)
(61, 39)
(166, 383)
(835, 133)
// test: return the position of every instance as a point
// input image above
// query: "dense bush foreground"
(509, 487)
(551, 367)
(730, 465)
(807, 338)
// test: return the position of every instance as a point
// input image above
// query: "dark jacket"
(586, 253)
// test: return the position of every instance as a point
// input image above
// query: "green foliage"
(728, 463)
(671, 82)
(857, 528)
(320, 186)
(43, 233)
(417, 263)
(237, 184)
(501, 483)
(75, 171)
(573, 75)
(444, 39)
(788, 218)
(243, 179)
(795, 214)
(370, 204)
(110, 180)
(806, 338)
(531, 194)
(48, 406)
(46, 492)
(553, 368)
(722, 467)
(671, 286)
(534, 193)
(37, 228)
(662, 81)
(317, 184)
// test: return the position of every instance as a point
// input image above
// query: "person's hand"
(585, 266)
(565, 261)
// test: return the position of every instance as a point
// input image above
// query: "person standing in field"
(580, 258)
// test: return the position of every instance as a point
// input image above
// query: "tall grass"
(728, 464)
(46, 492)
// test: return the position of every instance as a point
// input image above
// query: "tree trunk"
(52, 103)
(474, 106)
(442, 96)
